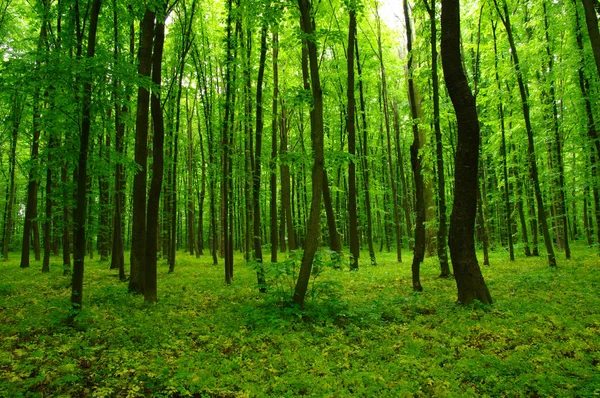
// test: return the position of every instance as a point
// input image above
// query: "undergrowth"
(362, 333)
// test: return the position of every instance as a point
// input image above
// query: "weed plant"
(362, 334)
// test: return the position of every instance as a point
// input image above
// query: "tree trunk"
(273, 161)
(258, 257)
(312, 238)
(439, 153)
(8, 210)
(81, 204)
(469, 280)
(365, 158)
(150, 288)
(509, 228)
(416, 162)
(533, 172)
(138, 240)
(354, 247)
(386, 115)
(591, 20)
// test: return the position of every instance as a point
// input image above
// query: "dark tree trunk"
(509, 228)
(385, 105)
(287, 221)
(591, 20)
(312, 237)
(365, 158)
(469, 280)
(260, 276)
(150, 288)
(273, 161)
(354, 247)
(118, 249)
(81, 204)
(562, 201)
(439, 153)
(17, 112)
(138, 240)
(533, 172)
(416, 162)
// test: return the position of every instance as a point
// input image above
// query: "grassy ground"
(362, 334)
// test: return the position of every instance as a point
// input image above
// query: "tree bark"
(416, 162)
(138, 240)
(533, 172)
(469, 280)
(312, 238)
(81, 204)
(591, 20)
(352, 213)
(150, 285)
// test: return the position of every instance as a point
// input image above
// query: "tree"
(354, 248)
(81, 205)
(316, 121)
(469, 280)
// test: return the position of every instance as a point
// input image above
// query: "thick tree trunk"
(469, 280)
(138, 240)
(150, 285)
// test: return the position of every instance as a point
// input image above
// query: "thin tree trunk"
(354, 247)
(284, 170)
(81, 204)
(273, 161)
(365, 158)
(8, 211)
(562, 202)
(416, 162)
(533, 172)
(258, 257)
(312, 238)
(386, 115)
(442, 218)
(509, 228)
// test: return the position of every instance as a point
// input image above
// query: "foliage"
(374, 338)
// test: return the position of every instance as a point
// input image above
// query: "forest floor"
(362, 333)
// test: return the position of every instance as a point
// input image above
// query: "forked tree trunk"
(469, 280)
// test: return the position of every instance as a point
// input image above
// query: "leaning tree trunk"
(312, 238)
(591, 20)
(533, 171)
(469, 280)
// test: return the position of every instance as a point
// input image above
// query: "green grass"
(362, 333)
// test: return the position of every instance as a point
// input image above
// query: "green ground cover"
(362, 333)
